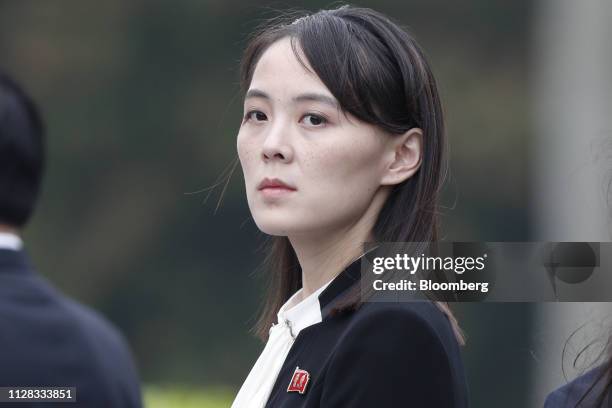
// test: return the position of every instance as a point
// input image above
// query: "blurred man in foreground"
(46, 339)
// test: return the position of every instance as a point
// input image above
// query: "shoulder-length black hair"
(379, 74)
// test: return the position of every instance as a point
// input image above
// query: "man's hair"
(22, 153)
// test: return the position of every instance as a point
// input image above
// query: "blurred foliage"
(142, 105)
(182, 397)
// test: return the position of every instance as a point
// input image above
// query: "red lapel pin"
(299, 381)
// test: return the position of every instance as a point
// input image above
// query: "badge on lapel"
(299, 381)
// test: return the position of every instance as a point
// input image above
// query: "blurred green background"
(142, 105)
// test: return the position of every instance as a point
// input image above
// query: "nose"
(277, 145)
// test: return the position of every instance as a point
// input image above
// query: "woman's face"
(294, 131)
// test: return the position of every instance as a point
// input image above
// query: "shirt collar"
(302, 313)
(10, 241)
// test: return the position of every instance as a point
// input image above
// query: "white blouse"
(296, 314)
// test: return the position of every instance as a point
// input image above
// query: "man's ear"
(405, 156)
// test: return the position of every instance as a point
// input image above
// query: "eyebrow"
(309, 96)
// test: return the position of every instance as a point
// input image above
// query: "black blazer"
(589, 385)
(382, 355)
(47, 339)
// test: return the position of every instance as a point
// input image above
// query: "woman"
(342, 142)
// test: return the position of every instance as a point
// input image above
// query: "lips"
(275, 183)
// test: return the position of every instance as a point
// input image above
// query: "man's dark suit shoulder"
(56, 341)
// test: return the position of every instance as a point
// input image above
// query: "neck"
(324, 255)
(9, 229)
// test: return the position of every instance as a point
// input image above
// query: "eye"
(258, 116)
(315, 120)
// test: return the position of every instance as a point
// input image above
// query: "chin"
(275, 224)
(274, 230)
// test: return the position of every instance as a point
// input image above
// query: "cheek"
(346, 163)
(246, 153)
(344, 176)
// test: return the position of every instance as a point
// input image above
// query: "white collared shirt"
(10, 241)
(294, 316)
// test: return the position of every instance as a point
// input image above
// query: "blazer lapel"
(341, 284)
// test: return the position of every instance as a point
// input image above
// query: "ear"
(405, 156)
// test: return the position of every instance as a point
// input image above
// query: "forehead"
(278, 71)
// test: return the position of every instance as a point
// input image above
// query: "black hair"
(22, 153)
